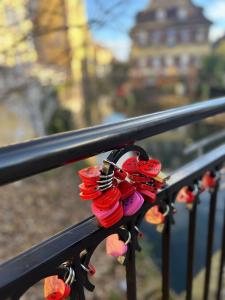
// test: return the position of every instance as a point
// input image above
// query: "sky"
(113, 29)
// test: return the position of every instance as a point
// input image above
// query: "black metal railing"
(19, 161)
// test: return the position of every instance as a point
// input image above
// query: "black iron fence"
(78, 243)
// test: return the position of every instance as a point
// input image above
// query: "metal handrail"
(27, 268)
(33, 157)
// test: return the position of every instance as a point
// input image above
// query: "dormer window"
(160, 14)
(169, 61)
(156, 62)
(182, 14)
(184, 60)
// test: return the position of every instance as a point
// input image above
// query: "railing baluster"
(166, 261)
(131, 267)
(78, 292)
(222, 262)
(212, 212)
(15, 298)
(191, 248)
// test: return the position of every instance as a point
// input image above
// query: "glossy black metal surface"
(166, 262)
(24, 270)
(29, 158)
(191, 248)
(222, 263)
(131, 268)
(212, 213)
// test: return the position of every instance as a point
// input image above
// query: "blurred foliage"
(115, 78)
(203, 129)
(119, 73)
(62, 120)
(212, 74)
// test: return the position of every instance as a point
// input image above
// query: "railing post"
(212, 212)
(131, 266)
(166, 260)
(78, 290)
(222, 262)
(191, 248)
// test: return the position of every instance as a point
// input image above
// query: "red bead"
(141, 235)
(91, 269)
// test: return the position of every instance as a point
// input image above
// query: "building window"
(160, 14)
(156, 62)
(172, 12)
(169, 61)
(182, 14)
(200, 35)
(142, 62)
(142, 38)
(171, 37)
(156, 37)
(184, 61)
(185, 36)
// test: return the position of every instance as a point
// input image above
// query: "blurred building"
(64, 43)
(25, 105)
(102, 58)
(169, 40)
(45, 46)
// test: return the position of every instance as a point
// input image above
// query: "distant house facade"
(169, 40)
